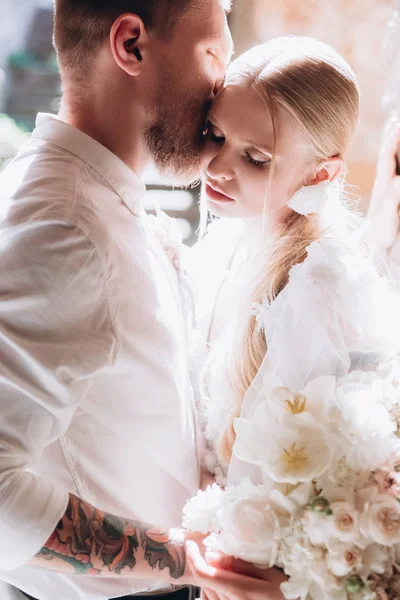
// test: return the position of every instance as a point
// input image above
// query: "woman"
(285, 282)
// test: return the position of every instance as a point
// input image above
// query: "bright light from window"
(176, 200)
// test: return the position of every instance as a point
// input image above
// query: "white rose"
(381, 520)
(344, 560)
(344, 522)
(342, 525)
(249, 530)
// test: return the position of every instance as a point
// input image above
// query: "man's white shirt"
(95, 395)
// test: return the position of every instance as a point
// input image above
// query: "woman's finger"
(196, 561)
(227, 583)
(229, 563)
(211, 595)
(241, 587)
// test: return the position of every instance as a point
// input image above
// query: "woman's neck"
(256, 234)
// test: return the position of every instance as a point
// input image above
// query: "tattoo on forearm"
(94, 542)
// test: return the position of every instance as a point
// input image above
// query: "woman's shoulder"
(340, 287)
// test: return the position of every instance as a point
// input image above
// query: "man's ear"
(327, 170)
(129, 41)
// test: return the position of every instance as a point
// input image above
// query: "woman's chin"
(225, 209)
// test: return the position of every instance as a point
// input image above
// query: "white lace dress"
(335, 314)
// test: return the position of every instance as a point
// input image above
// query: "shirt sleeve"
(55, 334)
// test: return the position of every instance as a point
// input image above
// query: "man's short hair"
(81, 26)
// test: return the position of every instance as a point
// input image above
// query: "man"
(96, 432)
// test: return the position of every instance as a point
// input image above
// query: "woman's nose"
(221, 166)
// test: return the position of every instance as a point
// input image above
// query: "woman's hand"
(226, 578)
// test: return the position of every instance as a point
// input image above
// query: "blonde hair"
(311, 82)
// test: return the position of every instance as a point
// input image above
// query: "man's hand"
(226, 578)
(383, 214)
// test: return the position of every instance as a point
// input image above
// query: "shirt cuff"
(29, 513)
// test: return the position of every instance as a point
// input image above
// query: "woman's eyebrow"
(263, 147)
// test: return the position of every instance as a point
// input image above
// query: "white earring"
(312, 199)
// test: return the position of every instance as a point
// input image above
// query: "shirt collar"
(118, 175)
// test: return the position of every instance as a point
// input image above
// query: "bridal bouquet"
(327, 510)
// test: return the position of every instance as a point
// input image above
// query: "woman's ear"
(328, 170)
(129, 41)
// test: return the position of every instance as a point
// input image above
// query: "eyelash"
(216, 138)
(220, 140)
(257, 163)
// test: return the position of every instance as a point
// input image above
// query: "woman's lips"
(217, 196)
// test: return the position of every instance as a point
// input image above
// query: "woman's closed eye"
(257, 162)
(215, 134)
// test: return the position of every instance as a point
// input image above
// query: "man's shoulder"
(46, 182)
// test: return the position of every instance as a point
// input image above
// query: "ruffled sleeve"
(334, 309)
(335, 314)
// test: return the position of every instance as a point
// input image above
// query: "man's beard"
(176, 139)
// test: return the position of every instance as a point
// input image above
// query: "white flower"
(377, 559)
(343, 560)
(342, 525)
(314, 401)
(287, 454)
(296, 588)
(367, 594)
(341, 478)
(380, 520)
(249, 529)
(296, 553)
(317, 527)
(200, 512)
(287, 502)
(313, 198)
(325, 586)
(344, 522)
(365, 425)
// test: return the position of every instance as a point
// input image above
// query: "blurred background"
(366, 32)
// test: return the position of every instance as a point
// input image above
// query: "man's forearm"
(90, 541)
